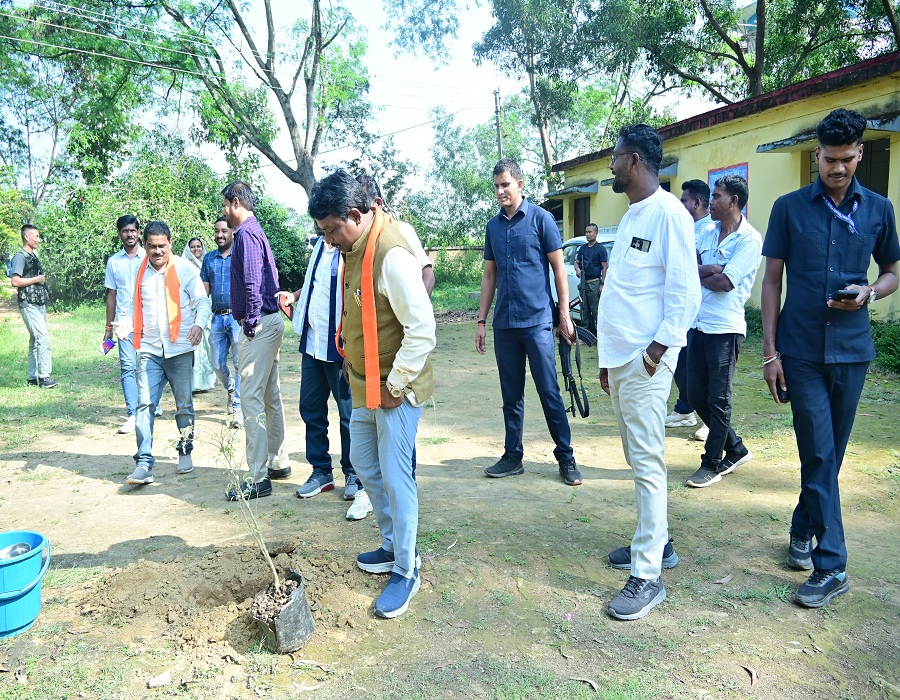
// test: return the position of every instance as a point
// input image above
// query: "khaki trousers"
(639, 402)
(264, 425)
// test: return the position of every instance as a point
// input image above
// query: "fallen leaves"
(723, 581)
(754, 676)
(591, 683)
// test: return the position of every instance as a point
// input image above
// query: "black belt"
(222, 312)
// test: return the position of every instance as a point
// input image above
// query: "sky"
(405, 88)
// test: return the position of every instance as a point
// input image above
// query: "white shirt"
(401, 282)
(196, 308)
(412, 240)
(652, 290)
(320, 312)
(740, 254)
(121, 273)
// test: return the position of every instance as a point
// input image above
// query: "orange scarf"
(369, 319)
(173, 303)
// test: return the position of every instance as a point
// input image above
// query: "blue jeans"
(153, 373)
(511, 347)
(128, 366)
(223, 336)
(40, 360)
(381, 447)
(320, 379)
(824, 398)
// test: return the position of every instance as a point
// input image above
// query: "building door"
(582, 215)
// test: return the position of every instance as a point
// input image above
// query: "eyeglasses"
(616, 156)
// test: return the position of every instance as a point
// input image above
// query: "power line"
(102, 55)
(102, 36)
(82, 13)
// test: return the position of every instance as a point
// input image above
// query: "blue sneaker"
(821, 587)
(381, 561)
(396, 596)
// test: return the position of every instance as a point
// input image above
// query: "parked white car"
(605, 237)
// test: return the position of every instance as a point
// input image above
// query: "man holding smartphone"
(818, 347)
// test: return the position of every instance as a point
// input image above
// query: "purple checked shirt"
(254, 277)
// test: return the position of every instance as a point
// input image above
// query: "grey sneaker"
(681, 420)
(621, 558)
(505, 466)
(351, 487)
(316, 484)
(140, 476)
(185, 464)
(821, 587)
(361, 506)
(703, 477)
(229, 408)
(568, 470)
(799, 553)
(638, 598)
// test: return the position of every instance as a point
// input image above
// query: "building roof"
(821, 84)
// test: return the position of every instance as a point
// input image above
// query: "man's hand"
(852, 304)
(655, 351)
(195, 335)
(604, 380)
(773, 373)
(108, 335)
(388, 401)
(40, 279)
(345, 372)
(600, 290)
(480, 339)
(566, 329)
(287, 298)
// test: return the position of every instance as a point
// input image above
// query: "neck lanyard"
(846, 218)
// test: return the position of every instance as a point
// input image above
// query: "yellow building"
(770, 140)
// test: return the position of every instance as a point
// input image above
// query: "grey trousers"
(40, 362)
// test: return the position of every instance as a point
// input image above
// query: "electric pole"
(497, 120)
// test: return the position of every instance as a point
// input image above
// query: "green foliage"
(13, 213)
(886, 334)
(164, 182)
(458, 268)
(287, 232)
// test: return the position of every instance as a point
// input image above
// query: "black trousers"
(712, 359)
(823, 400)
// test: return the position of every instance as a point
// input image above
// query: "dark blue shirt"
(590, 259)
(821, 255)
(254, 277)
(519, 247)
(216, 272)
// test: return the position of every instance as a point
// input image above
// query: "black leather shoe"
(251, 490)
(280, 473)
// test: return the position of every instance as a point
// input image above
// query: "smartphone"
(783, 395)
(108, 345)
(845, 294)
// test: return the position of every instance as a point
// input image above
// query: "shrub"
(458, 268)
(886, 334)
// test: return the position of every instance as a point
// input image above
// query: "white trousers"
(639, 402)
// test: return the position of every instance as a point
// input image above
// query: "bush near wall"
(458, 268)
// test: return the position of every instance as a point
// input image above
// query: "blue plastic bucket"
(20, 581)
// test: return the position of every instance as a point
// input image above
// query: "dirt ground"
(156, 579)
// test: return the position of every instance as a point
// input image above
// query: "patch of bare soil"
(161, 578)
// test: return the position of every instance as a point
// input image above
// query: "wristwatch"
(872, 294)
(393, 390)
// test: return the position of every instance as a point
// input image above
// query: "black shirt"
(822, 255)
(590, 259)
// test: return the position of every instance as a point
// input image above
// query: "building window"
(872, 171)
(582, 214)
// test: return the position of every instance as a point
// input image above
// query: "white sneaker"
(702, 433)
(681, 420)
(237, 420)
(185, 464)
(361, 507)
(127, 426)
